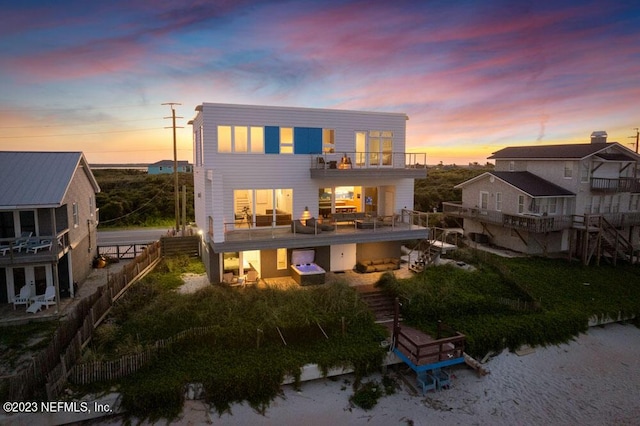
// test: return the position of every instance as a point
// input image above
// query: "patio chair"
(34, 246)
(5, 248)
(24, 298)
(48, 298)
(426, 382)
(443, 379)
(22, 242)
(252, 277)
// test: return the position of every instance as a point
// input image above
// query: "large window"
(262, 207)
(328, 141)
(520, 204)
(240, 139)
(498, 201)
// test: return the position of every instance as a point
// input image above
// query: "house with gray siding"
(582, 199)
(48, 220)
(274, 183)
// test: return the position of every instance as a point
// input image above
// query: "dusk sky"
(473, 76)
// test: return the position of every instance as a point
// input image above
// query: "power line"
(81, 134)
(44, 126)
(139, 208)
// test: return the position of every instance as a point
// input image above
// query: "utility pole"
(175, 162)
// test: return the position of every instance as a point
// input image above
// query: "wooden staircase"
(428, 254)
(600, 239)
(381, 304)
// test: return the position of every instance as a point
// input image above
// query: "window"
(380, 147)
(499, 201)
(198, 142)
(76, 218)
(484, 200)
(91, 208)
(520, 204)
(512, 166)
(568, 169)
(328, 141)
(257, 139)
(584, 171)
(262, 207)
(224, 138)
(7, 229)
(281, 258)
(553, 205)
(615, 204)
(238, 139)
(286, 140)
(595, 204)
(28, 221)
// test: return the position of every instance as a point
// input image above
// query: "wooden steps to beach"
(381, 304)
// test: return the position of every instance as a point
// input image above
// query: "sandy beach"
(593, 380)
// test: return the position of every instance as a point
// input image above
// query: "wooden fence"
(51, 367)
(90, 372)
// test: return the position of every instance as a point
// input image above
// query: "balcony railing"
(615, 185)
(540, 223)
(531, 223)
(347, 160)
(35, 247)
(406, 220)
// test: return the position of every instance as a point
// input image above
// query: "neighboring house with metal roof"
(48, 221)
(583, 199)
(166, 166)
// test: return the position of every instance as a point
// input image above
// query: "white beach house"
(280, 187)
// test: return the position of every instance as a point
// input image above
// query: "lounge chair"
(22, 242)
(48, 298)
(298, 228)
(5, 248)
(252, 277)
(34, 246)
(321, 226)
(24, 298)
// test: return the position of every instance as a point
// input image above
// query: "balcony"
(530, 223)
(369, 165)
(408, 224)
(36, 250)
(615, 185)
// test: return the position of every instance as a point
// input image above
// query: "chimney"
(599, 136)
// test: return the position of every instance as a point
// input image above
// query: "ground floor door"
(564, 243)
(3, 286)
(38, 277)
(343, 257)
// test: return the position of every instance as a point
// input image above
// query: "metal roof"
(38, 179)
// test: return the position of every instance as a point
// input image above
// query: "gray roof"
(39, 179)
(532, 184)
(564, 152)
(526, 182)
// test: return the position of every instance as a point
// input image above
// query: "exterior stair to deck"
(427, 255)
(381, 304)
(614, 243)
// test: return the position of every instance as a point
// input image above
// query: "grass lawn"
(244, 356)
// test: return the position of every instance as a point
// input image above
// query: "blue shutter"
(300, 140)
(307, 140)
(271, 140)
(315, 141)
